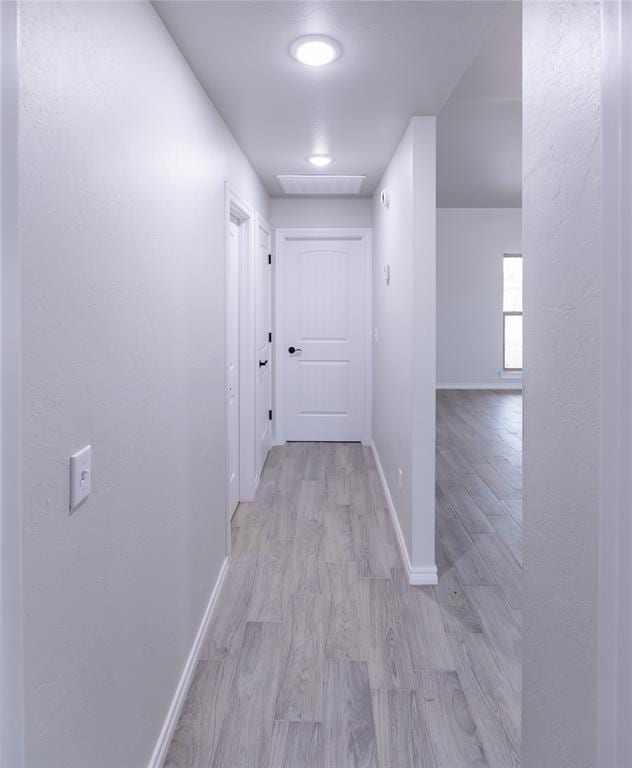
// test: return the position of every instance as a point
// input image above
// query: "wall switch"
(375, 335)
(400, 477)
(80, 476)
(387, 274)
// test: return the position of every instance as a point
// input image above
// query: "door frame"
(262, 223)
(282, 236)
(232, 328)
(237, 208)
(11, 614)
(614, 626)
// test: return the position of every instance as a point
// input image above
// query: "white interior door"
(325, 315)
(232, 364)
(263, 346)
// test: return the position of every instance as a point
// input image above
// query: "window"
(512, 312)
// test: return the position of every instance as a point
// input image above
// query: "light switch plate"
(80, 476)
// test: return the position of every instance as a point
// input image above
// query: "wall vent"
(321, 184)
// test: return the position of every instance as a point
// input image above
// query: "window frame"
(509, 313)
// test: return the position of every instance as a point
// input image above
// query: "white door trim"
(232, 365)
(614, 626)
(236, 207)
(261, 222)
(282, 236)
(11, 643)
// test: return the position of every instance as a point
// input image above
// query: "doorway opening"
(238, 368)
(248, 361)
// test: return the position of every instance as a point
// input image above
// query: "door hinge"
(269, 258)
(269, 415)
(270, 336)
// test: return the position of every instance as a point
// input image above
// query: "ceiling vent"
(321, 184)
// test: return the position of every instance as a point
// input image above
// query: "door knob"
(261, 364)
(292, 350)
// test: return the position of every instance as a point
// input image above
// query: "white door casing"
(614, 626)
(232, 364)
(11, 524)
(324, 312)
(263, 345)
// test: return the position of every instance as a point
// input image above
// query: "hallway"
(275, 252)
(320, 654)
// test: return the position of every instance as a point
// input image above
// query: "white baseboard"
(175, 708)
(507, 384)
(423, 576)
(417, 575)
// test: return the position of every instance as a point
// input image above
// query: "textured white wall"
(404, 316)
(392, 319)
(562, 245)
(470, 247)
(321, 212)
(122, 169)
(424, 340)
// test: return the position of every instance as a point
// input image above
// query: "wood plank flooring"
(320, 654)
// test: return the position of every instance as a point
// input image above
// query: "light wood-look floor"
(320, 654)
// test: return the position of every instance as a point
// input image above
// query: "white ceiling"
(399, 59)
(479, 130)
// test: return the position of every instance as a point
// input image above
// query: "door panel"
(325, 316)
(322, 387)
(263, 326)
(232, 365)
(322, 312)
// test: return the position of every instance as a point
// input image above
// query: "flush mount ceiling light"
(315, 50)
(320, 161)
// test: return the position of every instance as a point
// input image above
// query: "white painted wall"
(424, 346)
(122, 169)
(320, 212)
(404, 362)
(470, 247)
(562, 279)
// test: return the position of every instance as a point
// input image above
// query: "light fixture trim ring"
(331, 42)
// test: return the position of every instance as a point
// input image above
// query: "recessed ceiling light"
(320, 161)
(315, 50)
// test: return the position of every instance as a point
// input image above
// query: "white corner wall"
(562, 289)
(470, 247)
(320, 212)
(122, 167)
(404, 354)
